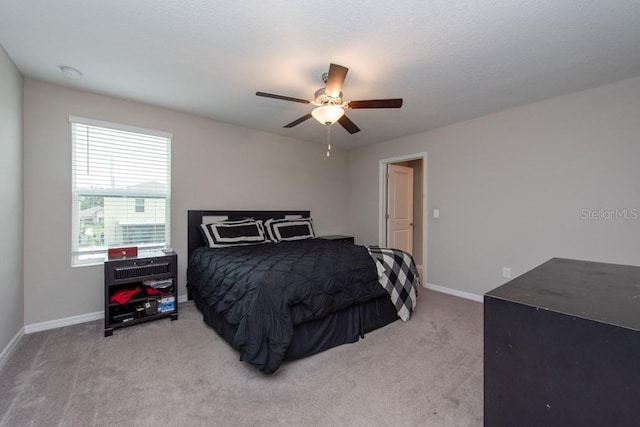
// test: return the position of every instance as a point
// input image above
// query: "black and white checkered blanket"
(398, 275)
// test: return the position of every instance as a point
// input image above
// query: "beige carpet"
(427, 372)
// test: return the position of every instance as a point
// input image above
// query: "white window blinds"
(121, 188)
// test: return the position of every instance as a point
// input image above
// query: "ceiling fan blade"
(348, 124)
(284, 98)
(376, 103)
(298, 121)
(335, 80)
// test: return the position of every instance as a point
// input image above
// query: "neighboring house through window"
(121, 188)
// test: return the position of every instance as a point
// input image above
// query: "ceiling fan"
(329, 104)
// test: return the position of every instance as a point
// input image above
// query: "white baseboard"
(454, 292)
(67, 321)
(10, 348)
(74, 320)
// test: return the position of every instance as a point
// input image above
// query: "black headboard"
(195, 239)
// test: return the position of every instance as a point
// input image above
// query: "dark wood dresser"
(562, 347)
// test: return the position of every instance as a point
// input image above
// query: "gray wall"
(511, 187)
(214, 166)
(11, 208)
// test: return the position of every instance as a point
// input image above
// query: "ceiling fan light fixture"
(328, 114)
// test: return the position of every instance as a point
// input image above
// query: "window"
(139, 205)
(121, 188)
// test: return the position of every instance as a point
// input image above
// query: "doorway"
(403, 204)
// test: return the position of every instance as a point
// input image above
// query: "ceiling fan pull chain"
(328, 140)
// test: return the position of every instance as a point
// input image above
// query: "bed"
(275, 302)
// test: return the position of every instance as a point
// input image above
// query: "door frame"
(382, 203)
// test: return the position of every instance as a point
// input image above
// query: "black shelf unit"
(338, 238)
(131, 272)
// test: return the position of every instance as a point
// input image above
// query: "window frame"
(82, 258)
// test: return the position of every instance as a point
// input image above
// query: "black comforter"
(264, 290)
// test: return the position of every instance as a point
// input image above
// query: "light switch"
(436, 213)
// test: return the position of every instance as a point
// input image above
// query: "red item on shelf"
(129, 251)
(153, 291)
(123, 296)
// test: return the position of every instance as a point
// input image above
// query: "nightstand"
(154, 277)
(339, 238)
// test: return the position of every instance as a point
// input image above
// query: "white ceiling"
(450, 60)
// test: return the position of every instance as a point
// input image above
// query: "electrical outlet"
(506, 272)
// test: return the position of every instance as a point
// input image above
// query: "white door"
(400, 208)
